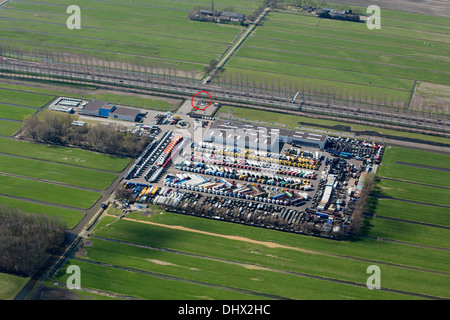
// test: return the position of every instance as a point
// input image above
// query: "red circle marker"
(192, 101)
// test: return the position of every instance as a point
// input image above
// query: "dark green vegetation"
(27, 240)
(57, 129)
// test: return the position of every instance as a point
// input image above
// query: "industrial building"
(257, 137)
(98, 108)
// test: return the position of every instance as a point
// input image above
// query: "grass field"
(244, 262)
(11, 285)
(414, 192)
(47, 192)
(9, 128)
(15, 113)
(63, 155)
(158, 31)
(70, 217)
(412, 212)
(141, 286)
(384, 63)
(391, 169)
(75, 176)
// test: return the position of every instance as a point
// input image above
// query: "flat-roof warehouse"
(258, 137)
(100, 108)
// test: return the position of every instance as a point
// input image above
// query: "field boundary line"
(62, 184)
(412, 182)
(53, 162)
(44, 203)
(346, 59)
(259, 267)
(323, 79)
(423, 166)
(175, 278)
(281, 246)
(410, 201)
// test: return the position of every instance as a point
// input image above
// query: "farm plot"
(290, 48)
(15, 112)
(142, 286)
(47, 192)
(412, 212)
(158, 31)
(237, 275)
(266, 263)
(414, 192)
(75, 176)
(77, 157)
(9, 128)
(68, 216)
(364, 250)
(11, 285)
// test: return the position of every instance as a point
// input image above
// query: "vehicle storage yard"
(300, 189)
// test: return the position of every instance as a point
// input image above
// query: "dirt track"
(430, 7)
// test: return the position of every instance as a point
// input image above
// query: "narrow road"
(236, 46)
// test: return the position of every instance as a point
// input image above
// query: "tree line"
(358, 213)
(57, 129)
(27, 240)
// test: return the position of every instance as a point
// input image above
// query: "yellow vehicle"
(154, 191)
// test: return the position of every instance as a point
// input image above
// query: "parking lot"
(301, 189)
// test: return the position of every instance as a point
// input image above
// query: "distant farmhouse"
(337, 14)
(215, 16)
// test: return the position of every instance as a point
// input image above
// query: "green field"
(414, 192)
(218, 272)
(15, 113)
(297, 49)
(11, 285)
(412, 212)
(27, 99)
(9, 128)
(232, 252)
(70, 217)
(159, 34)
(77, 157)
(75, 176)
(141, 286)
(390, 169)
(47, 192)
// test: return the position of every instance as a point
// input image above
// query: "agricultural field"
(411, 197)
(11, 285)
(263, 263)
(38, 178)
(294, 48)
(154, 33)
